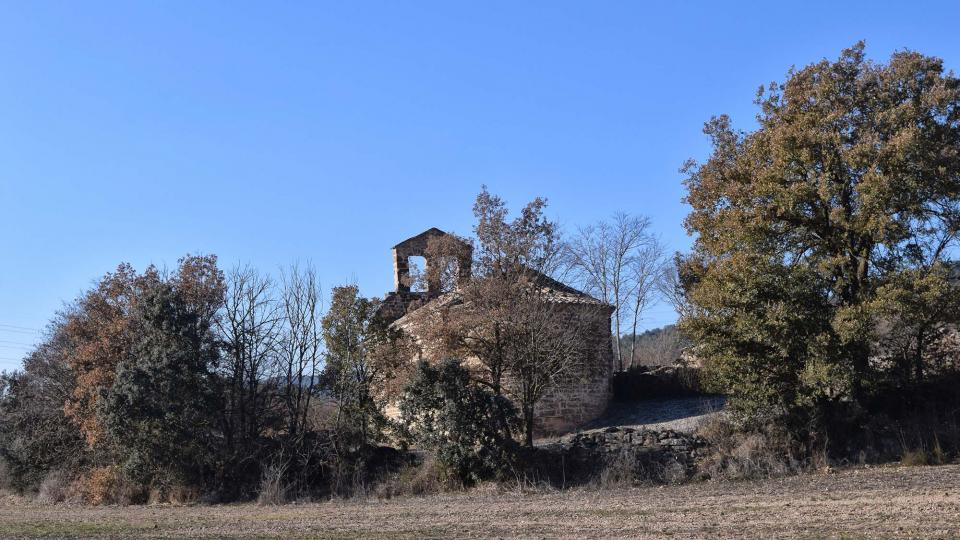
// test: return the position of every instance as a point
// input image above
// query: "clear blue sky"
(272, 132)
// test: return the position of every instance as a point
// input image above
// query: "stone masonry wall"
(584, 392)
(664, 456)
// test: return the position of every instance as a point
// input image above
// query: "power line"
(17, 343)
(19, 332)
(4, 325)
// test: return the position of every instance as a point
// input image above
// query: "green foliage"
(159, 412)
(359, 359)
(823, 229)
(762, 329)
(918, 309)
(445, 411)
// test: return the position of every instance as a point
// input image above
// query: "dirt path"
(919, 502)
(680, 414)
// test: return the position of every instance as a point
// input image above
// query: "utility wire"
(19, 332)
(17, 343)
(15, 327)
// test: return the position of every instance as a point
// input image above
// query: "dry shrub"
(183, 495)
(423, 479)
(176, 495)
(737, 455)
(670, 472)
(914, 458)
(644, 466)
(274, 489)
(920, 456)
(107, 485)
(937, 455)
(55, 487)
(528, 482)
(620, 471)
(156, 496)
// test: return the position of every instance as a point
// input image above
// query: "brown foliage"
(844, 201)
(102, 331)
(107, 485)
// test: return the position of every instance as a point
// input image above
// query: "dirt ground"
(919, 502)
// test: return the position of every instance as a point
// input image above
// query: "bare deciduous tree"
(250, 331)
(545, 342)
(619, 262)
(301, 345)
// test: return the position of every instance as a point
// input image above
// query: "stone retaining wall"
(655, 455)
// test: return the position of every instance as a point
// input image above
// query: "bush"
(159, 410)
(466, 426)
(35, 436)
(620, 471)
(107, 485)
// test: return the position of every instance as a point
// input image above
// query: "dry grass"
(273, 487)
(55, 487)
(920, 456)
(424, 479)
(867, 502)
(738, 455)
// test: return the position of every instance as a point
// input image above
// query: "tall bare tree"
(250, 330)
(545, 342)
(301, 345)
(619, 262)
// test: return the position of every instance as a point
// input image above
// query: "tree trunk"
(616, 335)
(918, 358)
(528, 426)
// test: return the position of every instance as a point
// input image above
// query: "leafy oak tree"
(822, 229)
(361, 359)
(102, 330)
(161, 411)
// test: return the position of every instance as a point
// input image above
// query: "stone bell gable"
(397, 302)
